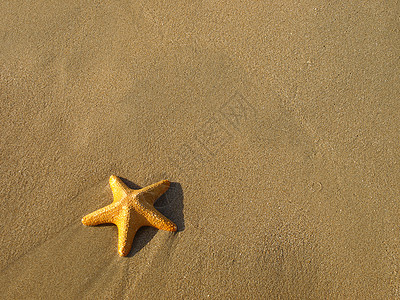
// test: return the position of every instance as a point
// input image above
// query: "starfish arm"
(126, 233)
(118, 188)
(103, 215)
(155, 219)
(154, 191)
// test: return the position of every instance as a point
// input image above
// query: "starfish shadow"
(170, 204)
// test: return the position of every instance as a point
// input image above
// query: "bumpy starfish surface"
(130, 210)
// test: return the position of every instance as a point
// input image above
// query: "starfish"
(130, 210)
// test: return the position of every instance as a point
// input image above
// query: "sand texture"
(277, 123)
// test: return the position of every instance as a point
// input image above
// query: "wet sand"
(277, 124)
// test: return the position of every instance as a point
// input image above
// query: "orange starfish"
(130, 210)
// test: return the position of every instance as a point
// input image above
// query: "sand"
(277, 123)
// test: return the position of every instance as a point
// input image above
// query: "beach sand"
(277, 124)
